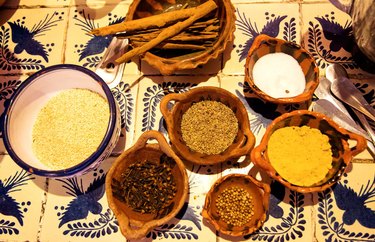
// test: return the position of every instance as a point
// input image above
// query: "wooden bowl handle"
(361, 143)
(164, 105)
(150, 134)
(257, 157)
(247, 143)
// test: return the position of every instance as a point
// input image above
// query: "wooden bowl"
(338, 139)
(243, 142)
(260, 193)
(169, 61)
(136, 225)
(263, 45)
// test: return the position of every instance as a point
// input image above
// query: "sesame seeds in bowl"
(62, 110)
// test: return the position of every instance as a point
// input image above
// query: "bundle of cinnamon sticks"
(179, 29)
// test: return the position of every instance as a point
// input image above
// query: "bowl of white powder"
(62, 121)
(281, 72)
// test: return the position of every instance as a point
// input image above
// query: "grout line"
(42, 210)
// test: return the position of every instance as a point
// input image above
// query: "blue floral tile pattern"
(26, 43)
(20, 202)
(255, 19)
(347, 212)
(78, 208)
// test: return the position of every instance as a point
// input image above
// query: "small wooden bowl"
(258, 190)
(342, 154)
(242, 144)
(263, 45)
(168, 61)
(136, 225)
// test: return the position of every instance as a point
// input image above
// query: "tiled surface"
(37, 209)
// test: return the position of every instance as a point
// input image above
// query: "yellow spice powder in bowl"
(302, 155)
(62, 121)
(306, 151)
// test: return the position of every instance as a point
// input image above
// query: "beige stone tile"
(275, 19)
(345, 212)
(22, 196)
(31, 39)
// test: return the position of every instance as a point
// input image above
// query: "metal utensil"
(112, 73)
(107, 68)
(344, 89)
(323, 91)
(327, 108)
(340, 73)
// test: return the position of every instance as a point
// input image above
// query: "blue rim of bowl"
(84, 164)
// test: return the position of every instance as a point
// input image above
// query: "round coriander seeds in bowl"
(207, 125)
(237, 204)
(62, 121)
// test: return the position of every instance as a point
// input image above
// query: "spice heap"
(209, 127)
(279, 75)
(301, 155)
(70, 127)
(147, 187)
(235, 206)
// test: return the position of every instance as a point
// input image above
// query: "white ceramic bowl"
(32, 95)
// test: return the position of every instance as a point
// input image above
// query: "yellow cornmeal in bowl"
(301, 155)
(70, 128)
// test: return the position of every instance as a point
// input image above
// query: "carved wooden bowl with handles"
(243, 142)
(136, 225)
(168, 61)
(263, 45)
(342, 153)
(260, 193)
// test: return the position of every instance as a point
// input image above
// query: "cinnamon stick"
(170, 31)
(154, 21)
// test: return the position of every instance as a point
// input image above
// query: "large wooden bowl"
(243, 142)
(342, 154)
(136, 225)
(169, 61)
